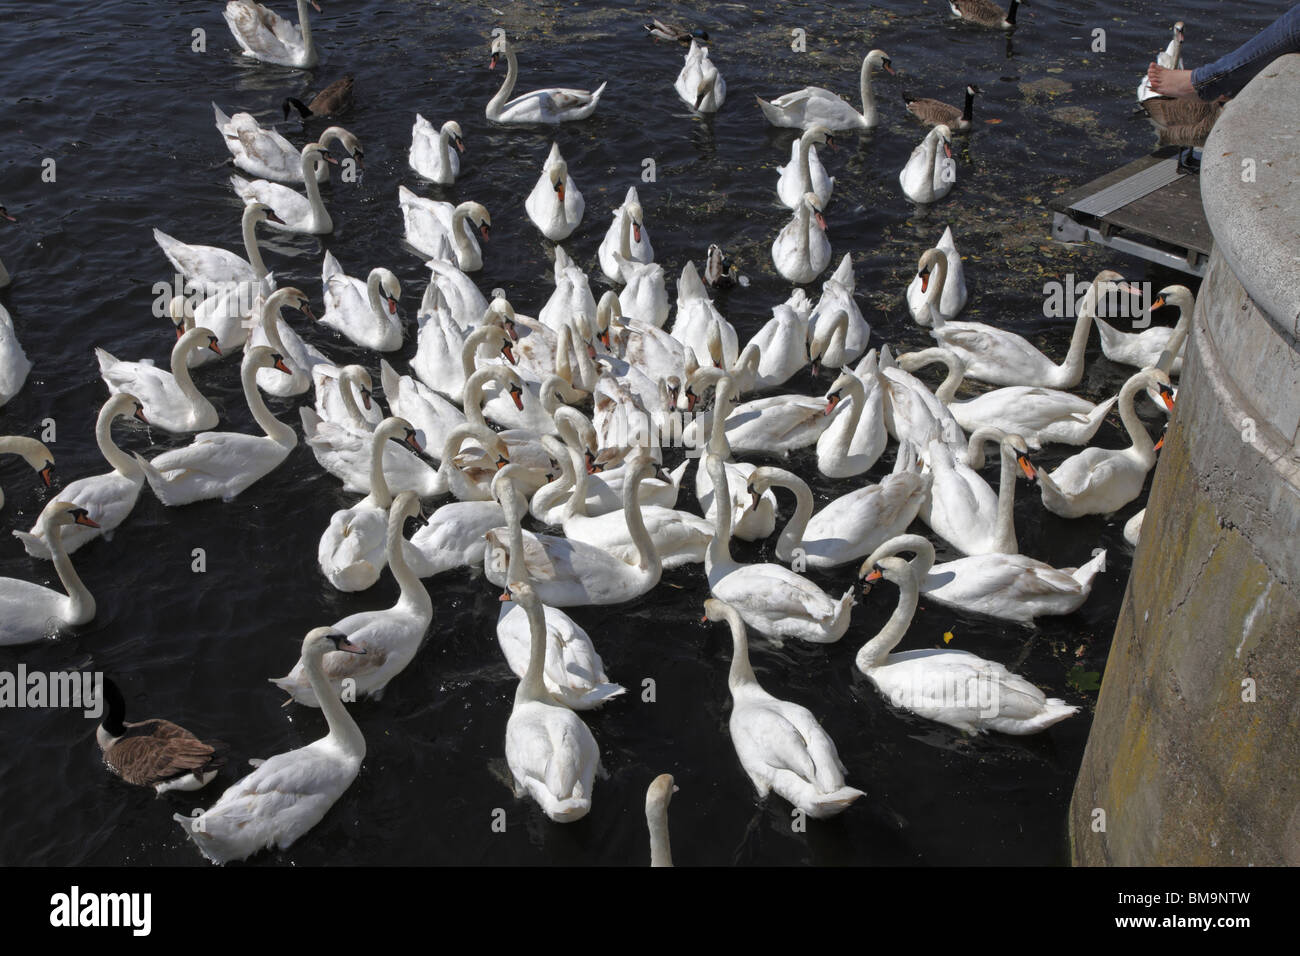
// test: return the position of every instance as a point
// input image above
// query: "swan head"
(815, 204)
(63, 513)
(264, 357)
(256, 212)
(634, 212)
(451, 129)
(293, 298)
(1159, 380)
(38, 457)
(4, 214)
(500, 48)
(659, 794)
(836, 393)
(477, 214)
(201, 338)
(827, 345)
(398, 429)
(405, 507)
(182, 315)
(944, 135)
(318, 153)
(125, 405)
(1178, 31)
(819, 135)
(930, 260)
(879, 60)
(1179, 296)
(559, 174)
(893, 569)
(357, 377)
(914, 543)
(388, 287)
(321, 640)
(523, 594)
(716, 610)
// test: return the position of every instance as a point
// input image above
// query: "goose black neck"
(115, 706)
(968, 109)
(297, 104)
(1011, 12)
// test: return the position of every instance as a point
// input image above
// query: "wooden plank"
(1172, 214)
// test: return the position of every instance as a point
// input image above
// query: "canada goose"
(1181, 122)
(985, 12)
(659, 30)
(155, 753)
(335, 98)
(933, 112)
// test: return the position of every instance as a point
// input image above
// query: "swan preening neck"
(954, 369)
(344, 732)
(883, 562)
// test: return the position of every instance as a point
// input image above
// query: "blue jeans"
(1229, 73)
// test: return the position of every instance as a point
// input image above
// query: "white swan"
(1010, 587)
(426, 220)
(805, 172)
(223, 464)
(1103, 480)
(776, 425)
(645, 293)
(353, 549)
(431, 150)
(1146, 348)
(772, 599)
(856, 436)
(1133, 528)
(555, 205)
(14, 364)
(30, 612)
(999, 357)
(849, 527)
(837, 296)
(267, 36)
(573, 672)
(815, 106)
(699, 84)
(432, 416)
(962, 509)
(952, 687)
(914, 414)
(364, 312)
(571, 303)
(343, 396)
(928, 177)
(109, 497)
(782, 345)
(1040, 416)
(288, 794)
(569, 573)
(642, 250)
(552, 105)
(459, 293)
(696, 317)
(661, 791)
(37, 456)
(264, 153)
(780, 744)
(953, 294)
(294, 211)
(389, 637)
(801, 252)
(551, 753)
(171, 399)
(216, 270)
(271, 330)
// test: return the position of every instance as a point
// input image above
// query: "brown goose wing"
(334, 98)
(980, 11)
(157, 750)
(933, 112)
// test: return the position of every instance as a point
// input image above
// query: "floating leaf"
(947, 637)
(995, 121)
(1084, 681)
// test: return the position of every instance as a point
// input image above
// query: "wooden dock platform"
(1146, 209)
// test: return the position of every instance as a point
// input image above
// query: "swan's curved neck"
(81, 606)
(802, 239)
(414, 594)
(647, 557)
(939, 278)
(1137, 432)
(472, 398)
(464, 249)
(858, 393)
(271, 320)
(1005, 526)
(515, 568)
(377, 307)
(625, 232)
(320, 217)
(350, 407)
(248, 227)
(507, 87)
(343, 729)
(444, 147)
(380, 494)
(122, 463)
(1072, 368)
(186, 344)
(721, 409)
(805, 166)
(864, 87)
(875, 652)
(719, 550)
(1185, 304)
(276, 430)
(797, 526)
(661, 853)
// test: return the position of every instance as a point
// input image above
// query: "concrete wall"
(1186, 767)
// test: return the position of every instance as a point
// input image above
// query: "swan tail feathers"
(34, 545)
(829, 804)
(221, 118)
(390, 380)
(599, 694)
(1087, 572)
(106, 360)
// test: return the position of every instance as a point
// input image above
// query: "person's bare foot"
(1170, 82)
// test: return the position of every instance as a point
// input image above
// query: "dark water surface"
(113, 93)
